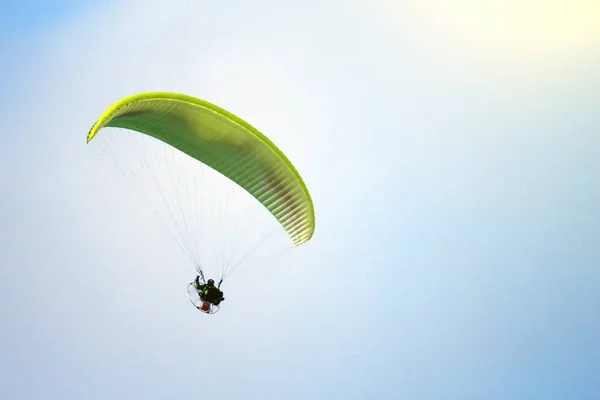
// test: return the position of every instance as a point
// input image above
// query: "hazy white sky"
(451, 149)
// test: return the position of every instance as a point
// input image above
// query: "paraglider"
(209, 293)
(188, 150)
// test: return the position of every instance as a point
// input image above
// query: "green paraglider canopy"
(225, 143)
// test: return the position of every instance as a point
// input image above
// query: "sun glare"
(532, 26)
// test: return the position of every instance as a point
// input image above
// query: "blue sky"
(452, 156)
(26, 16)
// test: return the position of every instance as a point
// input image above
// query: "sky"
(451, 152)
